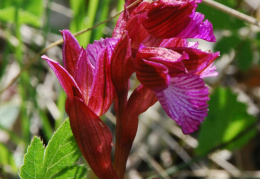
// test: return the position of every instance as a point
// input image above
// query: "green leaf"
(74, 172)
(226, 119)
(79, 20)
(62, 151)
(245, 55)
(33, 160)
(58, 160)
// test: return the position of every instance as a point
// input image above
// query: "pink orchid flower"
(164, 61)
(87, 83)
(150, 39)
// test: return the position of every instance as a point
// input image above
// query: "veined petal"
(102, 91)
(121, 64)
(94, 49)
(84, 74)
(198, 60)
(153, 75)
(137, 33)
(171, 59)
(167, 19)
(198, 28)
(121, 24)
(185, 101)
(174, 42)
(70, 51)
(209, 71)
(66, 80)
(92, 136)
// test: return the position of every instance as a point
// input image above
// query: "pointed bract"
(102, 91)
(66, 80)
(83, 75)
(70, 51)
(93, 137)
(121, 64)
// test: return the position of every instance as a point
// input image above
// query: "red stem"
(122, 148)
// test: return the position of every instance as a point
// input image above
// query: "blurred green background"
(227, 144)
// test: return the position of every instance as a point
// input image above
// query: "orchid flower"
(165, 62)
(150, 39)
(88, 85)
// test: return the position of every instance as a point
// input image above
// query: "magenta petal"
(66, 80)
(83, 75)
(209, 71)
(185, 101)
(70, 51)
(174, 42)
(94, 49)
(92, 136)
(198, 28)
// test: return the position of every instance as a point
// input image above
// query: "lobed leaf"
(33, 160)
(226, 119)
(62, 151)
(57, 160)
(245, 55)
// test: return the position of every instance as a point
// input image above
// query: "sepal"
(92, 136)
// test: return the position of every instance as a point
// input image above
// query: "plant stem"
(232, 12)
(121, 147)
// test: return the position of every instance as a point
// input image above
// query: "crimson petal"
(70, 51)
(66, 80)
(198, 60)
(83, 75)
(121, 64)
(167, 19)
(102, 91)
(153, 75)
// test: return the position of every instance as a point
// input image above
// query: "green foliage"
(243, 48)
(226, 44)
(27, 12)
(79, 20)
(57, 160)
(226, 119)
(220, 19)
(245, 55)
(33, 160)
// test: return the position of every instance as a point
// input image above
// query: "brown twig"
(232, 12)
